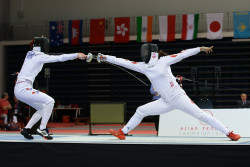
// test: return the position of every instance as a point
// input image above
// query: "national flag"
(214, 25)
(97, 31)
(122, 30)
(144, 28)
(75, 32)
(189, 26)
(241, 24)
(167, 28)
(56, 33)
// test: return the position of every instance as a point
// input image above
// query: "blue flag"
(241, 25)
(56, 33)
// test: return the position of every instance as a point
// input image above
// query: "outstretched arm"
(135, 66)
(60, 58)
(172, 59)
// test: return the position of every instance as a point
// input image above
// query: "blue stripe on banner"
(70, 31)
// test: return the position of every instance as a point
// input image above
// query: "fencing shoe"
(233, 136)
(119, 134)
(44, 134)
(26, 133)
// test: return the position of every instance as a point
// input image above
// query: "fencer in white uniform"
(157, 68)
(24, 91)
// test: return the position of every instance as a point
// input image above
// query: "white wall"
(45, 10)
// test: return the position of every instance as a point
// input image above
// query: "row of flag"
(144, 28)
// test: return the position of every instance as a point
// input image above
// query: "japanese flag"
(214, 25)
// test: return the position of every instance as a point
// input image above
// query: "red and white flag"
(167, 28)
(122, 30)
(75, 32)
(97, 31)
(214, 25)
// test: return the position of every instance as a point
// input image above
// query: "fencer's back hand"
(81, 56)
(101, 58)
(207, 49)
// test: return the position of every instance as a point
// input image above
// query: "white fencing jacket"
(35, 60)
(159, 72)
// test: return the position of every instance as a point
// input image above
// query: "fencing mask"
(41, 42)
(146, 50)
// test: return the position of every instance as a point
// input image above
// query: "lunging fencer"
(24, 91)
(156, 66)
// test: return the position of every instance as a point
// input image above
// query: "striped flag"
(144, 28)
(189, 26)
(75, 32)
(167, 28)
(215, 25)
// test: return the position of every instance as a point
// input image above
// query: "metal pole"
(47, 85)
(47, 76)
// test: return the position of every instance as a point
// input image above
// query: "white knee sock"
(5, 119)
(47, 110)
(15, 119)
(132, 123)
(34, 119)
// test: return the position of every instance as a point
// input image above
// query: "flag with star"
(241, 24)
(56, 33)
(97, 31)
(75, 32)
